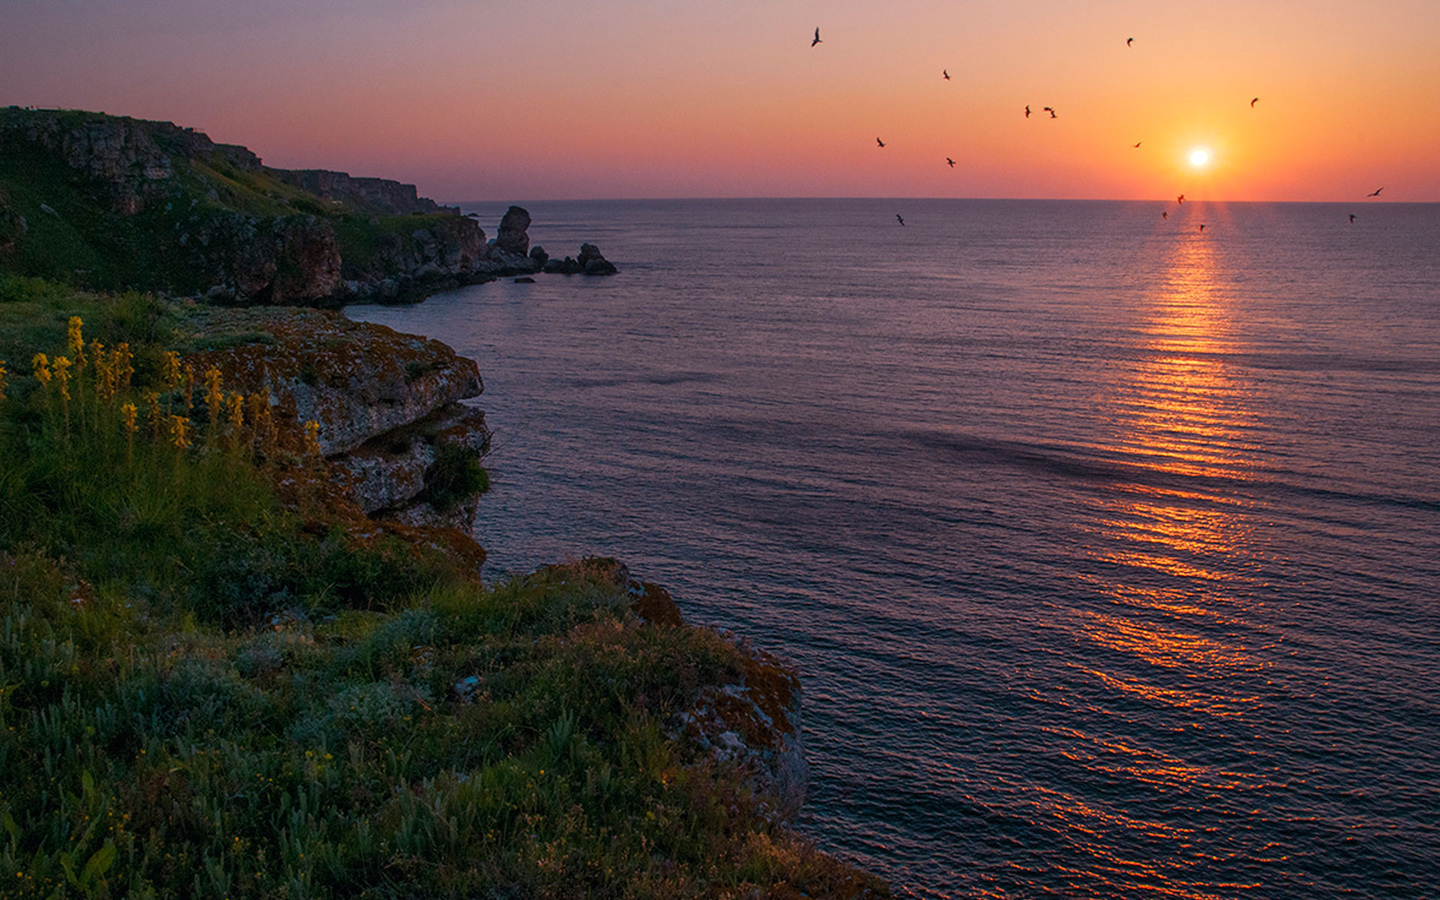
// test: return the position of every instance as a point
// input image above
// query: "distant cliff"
(110, 202)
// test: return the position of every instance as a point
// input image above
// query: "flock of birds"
(1129, 42)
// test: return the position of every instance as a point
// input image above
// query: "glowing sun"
(1199, 157)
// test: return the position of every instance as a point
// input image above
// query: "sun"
(1199, 157)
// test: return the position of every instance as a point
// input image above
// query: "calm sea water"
(1109, 550)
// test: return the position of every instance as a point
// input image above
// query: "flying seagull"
(950, 161)
(1180, 199)
(1375, 193)
(1050, 111)
(946, 73)
(1202, 227)
(1253, 102)
(1164, 214)
(1129, 41)
(1138, 143)
(880, 142)
(902, 221)
(1027, 110)
(817, 38)
(1352, 218)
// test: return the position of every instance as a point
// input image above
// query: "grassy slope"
(206, 692)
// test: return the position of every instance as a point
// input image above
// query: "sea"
(1107, 546)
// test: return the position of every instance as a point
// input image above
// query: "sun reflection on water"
(1164, 617)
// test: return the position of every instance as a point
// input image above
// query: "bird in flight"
(1050, 111)
(1180, 199)
(1027, 110)
(1138, 143)
(1129, 41)
(946, 73)
(1352, 218)
(1375, 193)
(1202, 227)
(880, 142)
(902, 221)
(950, 161)
(1164, 214)
(817, 38)
(1253, 102)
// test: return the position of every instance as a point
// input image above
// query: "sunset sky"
(475, 100)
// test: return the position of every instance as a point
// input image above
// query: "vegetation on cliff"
(219, 677)
(113, 203)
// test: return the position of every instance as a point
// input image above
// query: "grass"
(206, 691)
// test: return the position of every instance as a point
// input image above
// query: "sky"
(576, 99)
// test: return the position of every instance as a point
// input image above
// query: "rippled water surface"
(1107, 548)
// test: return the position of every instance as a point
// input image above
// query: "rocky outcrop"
(512, 239)
(378, 195)
(589, 262)
(160, 207)
(388, 404)
(291, 260)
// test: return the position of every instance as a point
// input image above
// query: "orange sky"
(475, 100)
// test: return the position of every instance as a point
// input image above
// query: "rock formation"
(154, 206)
(388, 404)
(589, 262)
(511, 239)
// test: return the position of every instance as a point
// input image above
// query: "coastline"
(320, 518)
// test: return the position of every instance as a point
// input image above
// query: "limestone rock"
(511, 239)
(388, 471)
(593, 263)
(357, 380)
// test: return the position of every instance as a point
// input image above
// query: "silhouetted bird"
(1129, 41)
(1253, 102)
(946, 73)
(902, 221)
(1138, 143)
(1375, 193)
(1027, 110)
(817, 38)
(1050, 111)
(1164, 214)
(950, 161)
(1180, 199)
(880, 142)
(1352, 218)
(1202, 227)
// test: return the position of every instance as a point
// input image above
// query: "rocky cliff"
(113, 202)
(389, 405)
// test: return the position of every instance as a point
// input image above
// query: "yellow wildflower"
(312, 437)
(124, 366)
(189, 387)
(2, 380)
(179, 432)
(152, 412)
(104, 371)
(127, 410)
(236, 406)
(62, 376)
(173, 371)
(41, 365)
(75, 342)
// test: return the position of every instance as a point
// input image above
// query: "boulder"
(511, 239)
(593, 263)
(566, 266)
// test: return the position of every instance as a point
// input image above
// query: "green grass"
(206, 692)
